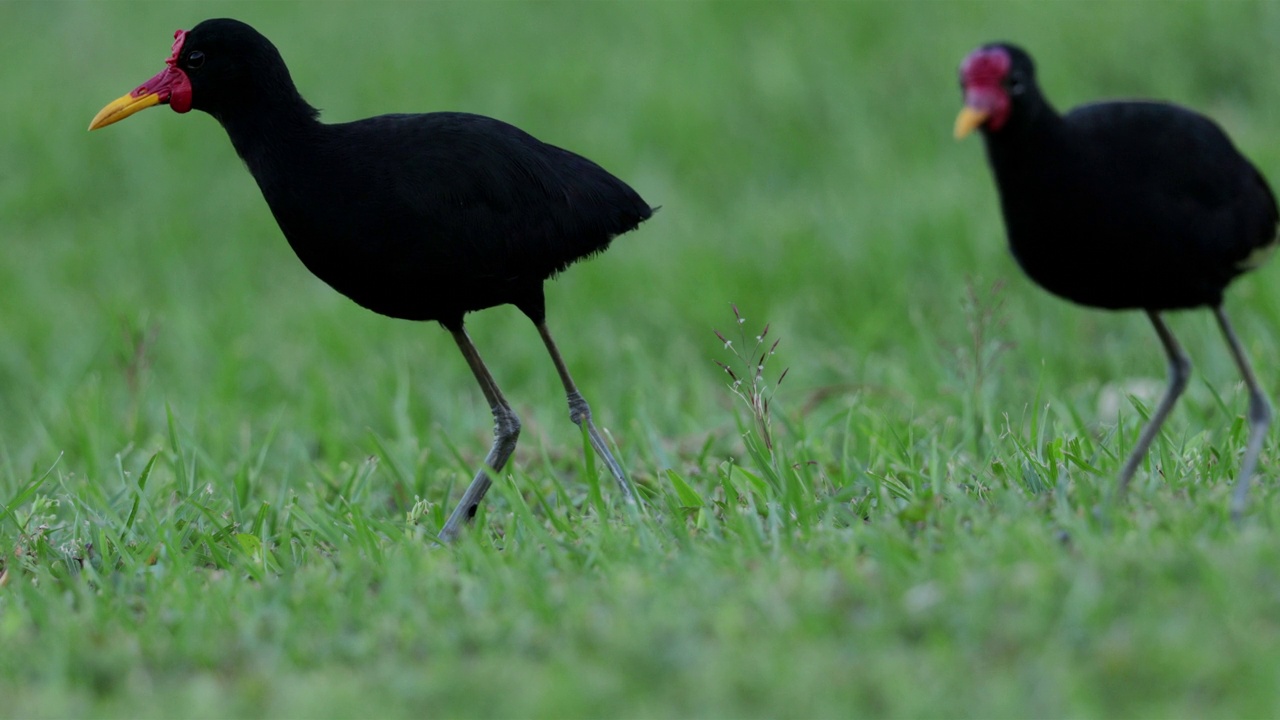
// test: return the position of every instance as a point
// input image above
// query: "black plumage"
(421, 217)
(454, 212)
(1124, 205)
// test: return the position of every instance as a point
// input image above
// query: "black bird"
(421, 217)
(1124, 205)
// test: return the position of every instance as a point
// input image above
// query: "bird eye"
(195, 59)
(1014, 85)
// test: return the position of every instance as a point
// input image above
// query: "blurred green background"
(801, 152)
(802, 155)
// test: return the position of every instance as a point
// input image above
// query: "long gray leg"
(1259, 415)
(1179, 372)
(506, 430)
(580, 414)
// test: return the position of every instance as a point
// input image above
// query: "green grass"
(220, 481)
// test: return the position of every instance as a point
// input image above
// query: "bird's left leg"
(506, 431)
(1179, 373)
(1259, 415)
(580, 414)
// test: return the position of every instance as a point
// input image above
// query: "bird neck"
(1032, 119)
(266, 133)
(1034, 130)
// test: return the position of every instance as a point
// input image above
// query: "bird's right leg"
(580, 414)
(506, 430)
(1179, 373)
(1259, 415)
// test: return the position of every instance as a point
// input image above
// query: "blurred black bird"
(421, 217)
(1124, 205)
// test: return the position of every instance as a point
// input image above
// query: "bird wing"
(468, 197)
(1209, 200)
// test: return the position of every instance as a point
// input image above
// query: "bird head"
(213, 67)
(993, 78)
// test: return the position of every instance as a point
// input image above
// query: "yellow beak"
(969, 119)
(123, 107)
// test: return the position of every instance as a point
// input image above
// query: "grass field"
(221, 480)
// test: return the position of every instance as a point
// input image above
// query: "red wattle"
(983, 74)
(179, 84)
(171, 84)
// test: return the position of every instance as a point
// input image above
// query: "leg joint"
(579, 411)
(1179, 370)
(506, 424)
